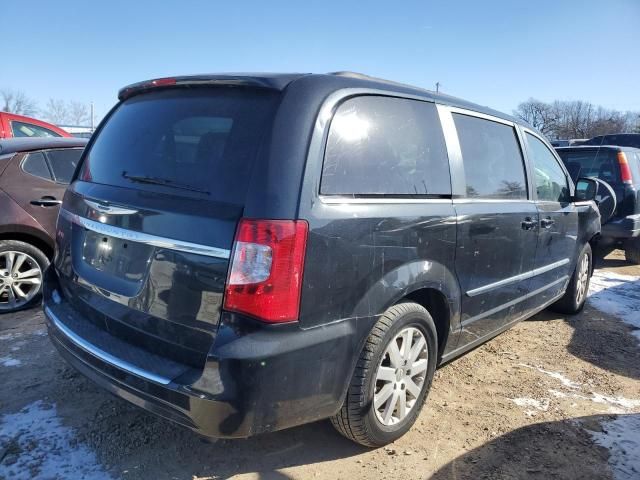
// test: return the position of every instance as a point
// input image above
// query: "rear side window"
(36, 165)
(493, 163)
(64, 163)
(21, 129)
(551, 182)
(385, 146)
(599, 163)
(200, 142)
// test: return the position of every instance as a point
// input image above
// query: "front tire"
(392, 378)
(574, 298)
(22, 268)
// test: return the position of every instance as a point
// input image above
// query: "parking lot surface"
(554, 397)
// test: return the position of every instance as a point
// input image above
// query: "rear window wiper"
(162, 181)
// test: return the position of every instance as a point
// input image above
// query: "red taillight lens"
(265, 276)
(625, 170)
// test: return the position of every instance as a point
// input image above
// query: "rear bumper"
(254, 381)
(625, 227)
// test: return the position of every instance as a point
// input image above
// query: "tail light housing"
(265, 276)
(625, 170)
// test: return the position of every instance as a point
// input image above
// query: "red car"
(12, 125)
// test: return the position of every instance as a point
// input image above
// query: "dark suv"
(242, 254)
(620, 168)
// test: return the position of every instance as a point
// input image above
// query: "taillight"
(265, 276)
(625, 170)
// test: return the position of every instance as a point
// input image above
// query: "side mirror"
(586, 189)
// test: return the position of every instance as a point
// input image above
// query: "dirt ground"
(554, 397)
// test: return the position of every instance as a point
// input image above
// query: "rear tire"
(632, 250)
(21, 286)
(397, 363)
(574, 298)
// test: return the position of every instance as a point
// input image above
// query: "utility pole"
(91, 117)
(437, 87)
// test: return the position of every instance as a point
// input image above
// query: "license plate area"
(123, 259)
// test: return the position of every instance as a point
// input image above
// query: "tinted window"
(601, 163)
(21, 129)
(36, 165)
(200, 139)
(493, 165)
(385, 146)
(551, 182)
(64, 163)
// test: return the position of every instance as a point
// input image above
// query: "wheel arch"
(32, 238)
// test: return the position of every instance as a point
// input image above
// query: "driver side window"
(551, 182)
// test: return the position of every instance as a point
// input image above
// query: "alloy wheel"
(400, 377)
(583, 278)
(20, 280)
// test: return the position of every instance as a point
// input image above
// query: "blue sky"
(495, 53)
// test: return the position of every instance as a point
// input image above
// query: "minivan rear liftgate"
(146, 230)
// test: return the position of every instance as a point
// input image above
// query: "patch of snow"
(618, 295)
(542, 405)
(10, 362)
(622, 438)
(18, 345)
(45, 447)
(616, 404)
(9, 336)
(556, 375)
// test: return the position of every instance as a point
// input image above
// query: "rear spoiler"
(271, 82)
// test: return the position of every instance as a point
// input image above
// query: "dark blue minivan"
(245, 253)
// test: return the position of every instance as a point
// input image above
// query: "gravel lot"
(553, 397)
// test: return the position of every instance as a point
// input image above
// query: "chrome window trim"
(339, 200)
(484, 116)
(139, 237)
(101, 354)
(517, 278)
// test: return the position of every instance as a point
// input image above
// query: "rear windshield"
(200, 142)
(599, 163)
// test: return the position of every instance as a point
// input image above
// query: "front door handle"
(528, 224)
(547, 222)
(46, 201)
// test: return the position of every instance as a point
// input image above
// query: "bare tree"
(575, 119)
(538, 114)
(64, 112)
(78, 113)
(15, 101)
(56, 111)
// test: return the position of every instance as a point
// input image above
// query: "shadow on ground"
(539, 451)
(142, 445)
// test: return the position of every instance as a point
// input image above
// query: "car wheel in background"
(392, 377)
(632, 250)
(22, 268)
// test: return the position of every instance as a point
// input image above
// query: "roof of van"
(279, 81)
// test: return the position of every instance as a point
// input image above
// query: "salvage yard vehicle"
(13, 125)
(34, 173)
(241, 254)
(619, 167)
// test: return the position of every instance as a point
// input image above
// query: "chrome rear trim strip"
(517, 278)
(139, 237)
(101, 354)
